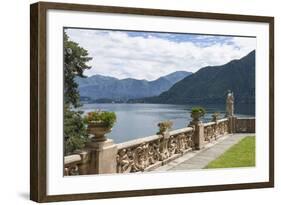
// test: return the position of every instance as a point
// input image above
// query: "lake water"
(140, 120)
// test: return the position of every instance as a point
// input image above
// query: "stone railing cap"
(71, 159)
(212, 123)
(151, 138)
(246, 118)
(209, 124)
(182, 130)
(223, 120)
(138, 141)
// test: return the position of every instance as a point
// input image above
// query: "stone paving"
(199, 159)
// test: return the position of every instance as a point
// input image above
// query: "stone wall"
(245, 125)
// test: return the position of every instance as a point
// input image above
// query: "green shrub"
(75, 134)
(108, 118)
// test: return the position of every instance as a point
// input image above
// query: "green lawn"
(241, 154)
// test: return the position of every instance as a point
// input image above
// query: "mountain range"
(210, 84)
(98, 88)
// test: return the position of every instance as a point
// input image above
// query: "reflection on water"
(140, 120)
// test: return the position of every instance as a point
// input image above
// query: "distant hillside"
(210, 84)
(105, 89)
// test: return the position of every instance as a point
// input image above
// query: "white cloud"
(120, 55)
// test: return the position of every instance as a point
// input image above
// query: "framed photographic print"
(134, 102)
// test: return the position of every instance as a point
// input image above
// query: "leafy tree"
(75, 63)
(75, 59)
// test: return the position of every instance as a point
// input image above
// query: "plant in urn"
(197, 113)
(99, 123)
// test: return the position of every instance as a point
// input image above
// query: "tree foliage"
(75, 63)
(75, 134)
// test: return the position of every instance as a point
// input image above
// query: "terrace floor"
(198, 159)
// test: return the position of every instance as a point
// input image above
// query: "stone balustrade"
(76, 164)
(213, 130)
(150, 152)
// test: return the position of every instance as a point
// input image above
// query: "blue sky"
(150, 55)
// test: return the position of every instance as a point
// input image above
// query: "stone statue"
(229, 104)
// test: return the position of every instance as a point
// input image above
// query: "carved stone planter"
(196, 116)
(98, 131)
(215, 117)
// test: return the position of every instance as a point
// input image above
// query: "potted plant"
(197, 113)
(164, 126)
(215, 116)
(99, 123)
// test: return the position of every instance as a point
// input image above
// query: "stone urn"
(215, 117)
(164, 127)
(97, 130)
(196, 116)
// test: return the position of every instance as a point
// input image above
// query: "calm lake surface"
(140, 120)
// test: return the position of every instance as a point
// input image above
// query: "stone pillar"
(103, 151)
(198, 135)
(103, 157)
(232, 124)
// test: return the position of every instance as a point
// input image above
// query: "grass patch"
(241, 154)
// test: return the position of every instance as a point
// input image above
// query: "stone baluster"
(84, 166)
